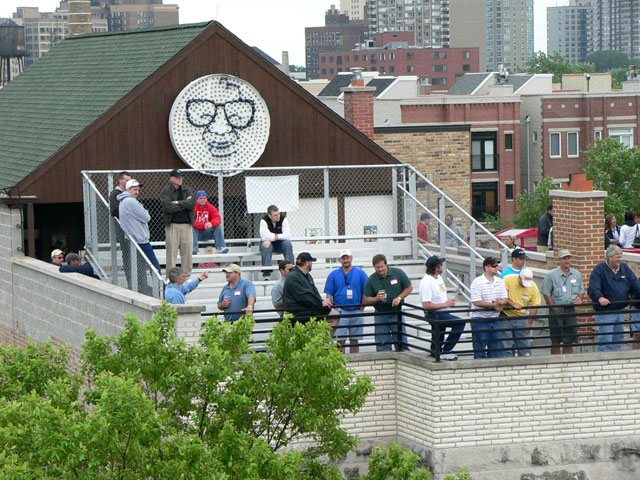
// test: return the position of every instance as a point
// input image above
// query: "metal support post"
(327, 209)
(472, 255)
(221, 197)
(112, 238)
(394, 192)
(435, 337)
(135, 281)
(400, 346)
(443, 233)
(413, 214)
(88, 241)
(95, 244)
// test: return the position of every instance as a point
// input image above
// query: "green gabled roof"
(72, 86)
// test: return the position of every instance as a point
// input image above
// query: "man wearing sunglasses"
(488, 295)
(57, 257)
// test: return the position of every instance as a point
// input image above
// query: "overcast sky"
(274, 25)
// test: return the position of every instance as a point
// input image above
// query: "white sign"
(219, 123)
(265, 191)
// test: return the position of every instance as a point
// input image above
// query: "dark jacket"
(614, 287)
(608, 236)
(300, 295)
(277, 228)
(170, 194)
(544, 227)
(114, 204)
(85, 269)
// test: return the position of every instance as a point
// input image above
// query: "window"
(466, 67)
(331, 71)
(555, 145)
(438, 55)
(572, 144)
(410, 55)
(323, 59)
(356, 58)
(438, 68)
(331, 59)
(411, 68)
(483, 149)
(484, 199)
(597, 135)
(466, 54)
(392, 69)
(508, 191)
(623, 135)
(439, 81)
(508, 141)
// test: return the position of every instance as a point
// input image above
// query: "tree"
(395, 463)
(297, 68)
(607, 60)
(154, 407)
(533, 204)
(555, 64)
(615, 168)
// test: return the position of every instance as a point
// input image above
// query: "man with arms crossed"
(386, 289)
(344, 287)
(563, 286)
(433, 295)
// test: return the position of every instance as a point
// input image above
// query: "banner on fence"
(265, 191)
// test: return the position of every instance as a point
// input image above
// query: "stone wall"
(518, 418)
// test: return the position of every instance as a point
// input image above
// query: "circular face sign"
(219, 123)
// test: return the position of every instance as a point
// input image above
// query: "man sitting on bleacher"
(208, 224)
(275, 236)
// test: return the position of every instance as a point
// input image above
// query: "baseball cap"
(564, 253)
(434, 261)
(56, 252)
(201, 193)
(345, 252)
(526, 275)
(72, 256)
(305, 257)
(490, 261)
(175, 173)
(132, 183)
(232, 268)
(424, 216)
(518, 253)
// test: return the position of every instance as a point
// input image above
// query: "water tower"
(12, 46)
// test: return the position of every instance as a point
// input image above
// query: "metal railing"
(333, 203)
(488, 337)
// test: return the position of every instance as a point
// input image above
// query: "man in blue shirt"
(177, 289)
(238, 296)
(610, 285)
(345, 288)
(518, 262)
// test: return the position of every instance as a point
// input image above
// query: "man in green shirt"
(386, 289)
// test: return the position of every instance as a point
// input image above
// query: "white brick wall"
(10, 240)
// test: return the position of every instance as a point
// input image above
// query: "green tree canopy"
(555, 64)
(616, 169)
(607, 60)
(154, 407)
(533, 204)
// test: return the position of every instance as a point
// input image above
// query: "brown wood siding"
(134, 135)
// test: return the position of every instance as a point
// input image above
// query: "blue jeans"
(635, 321)
(489, 339)
(387, 335)
(280, 246)
(610, 333)
(201, 235)
(143, 286)
(455, 330)
(518, 335)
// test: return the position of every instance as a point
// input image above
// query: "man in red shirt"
(208, 224)
(423, 230)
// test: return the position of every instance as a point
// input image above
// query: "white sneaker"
(448, 356)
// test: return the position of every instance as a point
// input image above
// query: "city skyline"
(250, 28)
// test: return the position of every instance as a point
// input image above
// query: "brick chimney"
(358, 103)
(79, 17)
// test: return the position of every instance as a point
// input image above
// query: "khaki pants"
(179, 235)
(542, 249)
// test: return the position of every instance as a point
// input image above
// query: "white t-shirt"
(433, 290)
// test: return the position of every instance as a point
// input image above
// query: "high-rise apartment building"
(427, 19)
(567, 31)
(509, 32)
(338, 35)
(615, 25)
(133, 16)
(354, 9)
(468, 28)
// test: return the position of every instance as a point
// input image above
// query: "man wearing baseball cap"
(207, 224)
(238, 296)
(178, 204)
(488, 295)
(57, 257)
(563, 286)
(518, 261)
(300, 294)
(134, 220)
(345, 287)
(523, 295)
(72, 265)
(433, 296)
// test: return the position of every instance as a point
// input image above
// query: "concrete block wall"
(10, 241)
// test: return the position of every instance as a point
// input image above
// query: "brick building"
(573, 120)
(439, 67)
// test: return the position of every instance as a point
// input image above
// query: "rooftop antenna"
(632, 74)
(503, 75)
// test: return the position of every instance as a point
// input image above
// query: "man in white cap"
(523, 295)
(345, 288)
(57, 257)
(238, 296)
